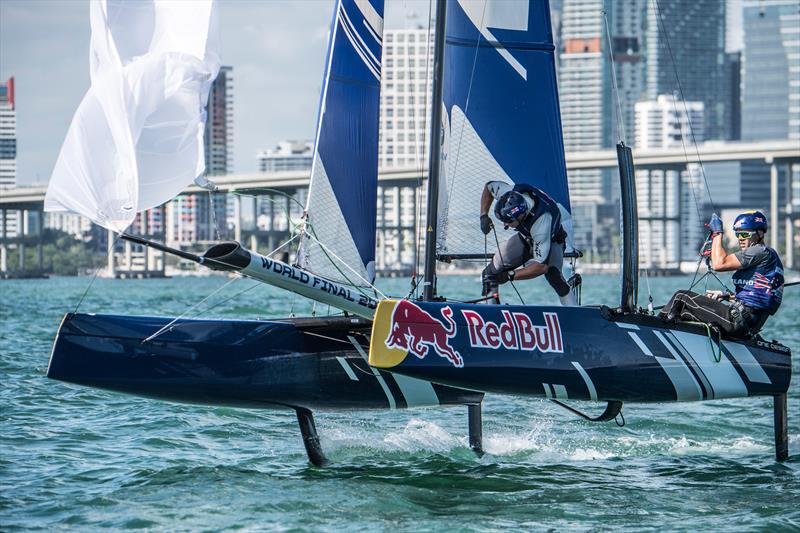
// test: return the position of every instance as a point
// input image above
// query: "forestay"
(136, 139)
(502, 119)
(339, 240)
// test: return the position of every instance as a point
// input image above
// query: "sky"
(276, 49)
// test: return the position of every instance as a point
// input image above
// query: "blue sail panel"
(341, 210)
(501, 104)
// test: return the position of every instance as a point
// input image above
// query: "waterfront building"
(286, 156)
(668, 122)
(218, 136)
(685, 43)
(193, 219)
(78, 226)
(9, 224)
(771, 70)
(406, 77)
(8, 135)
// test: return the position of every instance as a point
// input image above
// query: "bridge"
(27, 202)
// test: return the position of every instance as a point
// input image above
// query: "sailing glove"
(506, 275)
(486, 224)
(715, 224)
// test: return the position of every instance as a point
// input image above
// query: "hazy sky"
(276, 48)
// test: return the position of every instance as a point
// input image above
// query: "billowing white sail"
(339, 241)
(136, 139)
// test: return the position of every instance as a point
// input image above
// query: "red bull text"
(516, 332)
(416, 331)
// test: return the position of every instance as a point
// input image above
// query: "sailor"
(537, 248)
(758, 280)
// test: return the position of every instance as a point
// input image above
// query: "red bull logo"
(516, 332)
(416, 331)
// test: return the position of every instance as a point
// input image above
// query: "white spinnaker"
(136, 139)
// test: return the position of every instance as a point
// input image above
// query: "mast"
(630, 229)
(429, 283)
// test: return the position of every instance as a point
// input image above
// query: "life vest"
(761, 286)
(545, 204)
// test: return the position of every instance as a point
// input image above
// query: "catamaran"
(495, 116)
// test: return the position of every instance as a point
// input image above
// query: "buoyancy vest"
(544, 204)
(760, 285)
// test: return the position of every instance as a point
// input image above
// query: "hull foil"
(580, 353)
(305, 363)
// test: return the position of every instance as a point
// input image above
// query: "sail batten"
(341, 211)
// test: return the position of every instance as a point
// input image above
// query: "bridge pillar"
(112, 273)
(21, 250)
(789, 221)
(3, 248)
(773, 205)
(254, 242)
(40, 245)
(237, 218)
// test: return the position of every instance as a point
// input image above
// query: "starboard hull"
(571, 353)
(314, 363)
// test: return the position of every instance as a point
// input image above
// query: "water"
(84, 459)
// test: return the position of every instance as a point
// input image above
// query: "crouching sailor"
(537, 248)
(758, 279)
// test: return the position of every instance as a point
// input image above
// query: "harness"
(543, 204)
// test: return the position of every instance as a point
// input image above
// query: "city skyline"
(273, 48)
(277, 51)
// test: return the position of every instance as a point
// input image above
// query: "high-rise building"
(590, 109)
(406, 77)
(669, 201)
(685, 43)
(668, 122)
(219, 125)
(287, 156)
(8, 135)
(771, 70)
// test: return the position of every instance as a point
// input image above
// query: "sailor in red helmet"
(758, 279)
(537, 248)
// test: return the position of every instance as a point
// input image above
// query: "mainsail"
(502, 118)
(339, 240)
(136, 139)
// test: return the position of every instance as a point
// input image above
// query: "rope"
(718, 354)
(685, 108)
(421, 162)
(453, 175)
(182, 315)
(614, 87)
(94, 277)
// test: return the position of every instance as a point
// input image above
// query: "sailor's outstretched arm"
(721, 261)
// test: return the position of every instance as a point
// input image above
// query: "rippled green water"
(84, 459)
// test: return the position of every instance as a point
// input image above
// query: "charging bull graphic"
(415, 331)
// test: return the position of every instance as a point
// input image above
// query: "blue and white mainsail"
(502, 118)
(339, 237)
